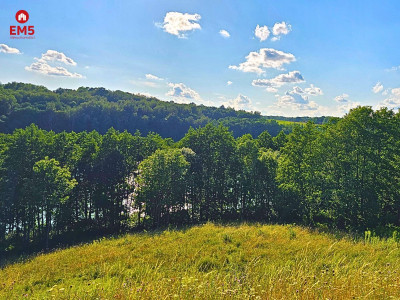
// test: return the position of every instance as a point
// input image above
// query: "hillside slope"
(211, 262)
(87, 109)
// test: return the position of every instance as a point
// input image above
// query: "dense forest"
(87, 109)
(344, 175)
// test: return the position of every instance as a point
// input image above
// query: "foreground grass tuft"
(212, 262)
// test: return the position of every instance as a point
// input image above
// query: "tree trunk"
(48, 221)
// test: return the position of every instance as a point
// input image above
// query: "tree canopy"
(87, 109)
(58, 186)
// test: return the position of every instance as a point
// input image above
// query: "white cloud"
(141, 83)
(396, 68)
(182, 92)
(280, 80)
(9, 50)
(297, 99)
(345, 108)
(271, 90)
(241, 102)
(148, 95)
(342, 98)
(281, 28)
(276, 38)
(178, 24)
(262, 33)
(224, 33)
(378, 87)
(229, 82)
(345, 104)
(41, 65)
(313, 90)
(46, 69)
(52, 55)
(153, 77)
(296, 102)
(310, 91)
(396, 92)
(265, 58)
(393, 101)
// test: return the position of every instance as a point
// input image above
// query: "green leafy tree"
(264, 140)
(213, 169)
(52, 184)
(161, 185)
(297, 174)
(280, 140)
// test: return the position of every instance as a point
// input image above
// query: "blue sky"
(319, 58)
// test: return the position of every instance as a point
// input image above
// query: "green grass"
(284, 122)
(212, 262)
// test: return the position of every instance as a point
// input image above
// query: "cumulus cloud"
(182, 92)
(178, 24)
(296, 100)
(271, 90)
(229, 82)
(153, 77)
(396, 92)
(46, 69)
(9, 50)
(256, 62)
(224, 33)
(313, 90)
(342, 98)
(280, 80)
(281, 29)
(41, 65)
(393, 100)
(299, 99)
(148, 95)
(241, 102)
(378, 87)
(345, 108)
(52, 55)
(345, 104)
(262, 33)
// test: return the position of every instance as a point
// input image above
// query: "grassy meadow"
(212, 262)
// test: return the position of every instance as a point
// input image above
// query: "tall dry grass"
(212, 262)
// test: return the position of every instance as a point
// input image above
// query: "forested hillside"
(87, 109)
(56, 186)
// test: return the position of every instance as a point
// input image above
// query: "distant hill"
(87, 109)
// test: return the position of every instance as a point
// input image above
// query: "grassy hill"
(212, 262)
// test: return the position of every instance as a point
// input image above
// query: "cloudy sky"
(291, 58)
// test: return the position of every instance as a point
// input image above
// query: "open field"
(290, 123)
(212, 262)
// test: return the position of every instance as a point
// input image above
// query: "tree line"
(343, 175)
(87, 109)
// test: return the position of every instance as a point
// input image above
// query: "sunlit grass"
(284, 122)
(212, 262)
